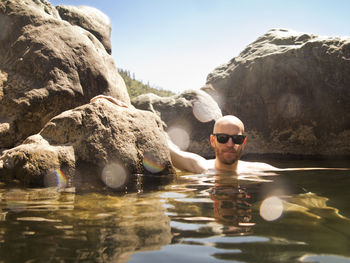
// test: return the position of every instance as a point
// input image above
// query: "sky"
(175, 44)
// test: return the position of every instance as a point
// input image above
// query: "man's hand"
(111, 99)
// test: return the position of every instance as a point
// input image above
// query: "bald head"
(227, 152)
(229, 124)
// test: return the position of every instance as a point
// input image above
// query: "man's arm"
(187, 161)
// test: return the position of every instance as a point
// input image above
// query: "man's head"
(228, 150)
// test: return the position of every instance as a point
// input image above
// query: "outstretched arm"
(187, 161)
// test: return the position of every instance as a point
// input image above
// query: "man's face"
(229, 152)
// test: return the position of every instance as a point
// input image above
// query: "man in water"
(228, 141)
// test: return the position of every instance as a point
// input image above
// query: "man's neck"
(226, 167)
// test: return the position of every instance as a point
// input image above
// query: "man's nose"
(230, 142)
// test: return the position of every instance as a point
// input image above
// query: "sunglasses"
(236, 139)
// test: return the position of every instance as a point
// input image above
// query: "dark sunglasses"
(236, 139)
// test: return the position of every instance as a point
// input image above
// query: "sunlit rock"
(35, 163)
(47, 66)
(189, 118)
(91, 19)
(291, 90)
(117, 141)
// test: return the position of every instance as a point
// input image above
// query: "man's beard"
(226, 158)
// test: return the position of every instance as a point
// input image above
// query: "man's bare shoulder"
(245, 166)
(210, 164)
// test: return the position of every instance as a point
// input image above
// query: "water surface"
(293, 216)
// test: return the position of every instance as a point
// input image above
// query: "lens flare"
(271, 208)
(203, 113)
(55, 178)
(114, 175)
(179, 137)
(151, 165)
(61, 179)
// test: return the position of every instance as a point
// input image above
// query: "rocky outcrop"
(47, 66)
(91, 19)
(292, 92)
(36, 163)
(117, 141)
(189, 118)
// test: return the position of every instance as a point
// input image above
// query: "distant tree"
(136, 87)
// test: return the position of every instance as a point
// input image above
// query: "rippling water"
(295, 216)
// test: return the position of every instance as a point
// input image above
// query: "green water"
(295, 216)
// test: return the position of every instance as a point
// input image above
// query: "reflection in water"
(192, 218)
(50, 225)
(232, 207)
(256, 218)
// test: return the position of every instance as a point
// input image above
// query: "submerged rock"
(47, 66)
(189, 118)
(117, 141)
(292, 92)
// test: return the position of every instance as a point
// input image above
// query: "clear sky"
(175, 44)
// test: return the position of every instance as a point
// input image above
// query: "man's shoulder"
(210, 164)
(245, 166)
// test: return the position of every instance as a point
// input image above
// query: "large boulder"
(115, 141)
(189, 118)
(91, 19)
(292, 92)
(47, 66)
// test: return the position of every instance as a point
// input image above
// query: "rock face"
(189, 118)
(118, 141)
(91, 19)
(47, 66)
(292, 92)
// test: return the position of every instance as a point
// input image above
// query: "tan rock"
(292, 92)
(117, 141)
(91, 19)
(36, 163)
(189, 118)
(47, 66)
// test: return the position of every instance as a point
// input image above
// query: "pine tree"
(136, 87)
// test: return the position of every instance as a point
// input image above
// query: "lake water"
(294, 216)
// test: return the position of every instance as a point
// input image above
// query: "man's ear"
(244, 142)
(212, 140)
